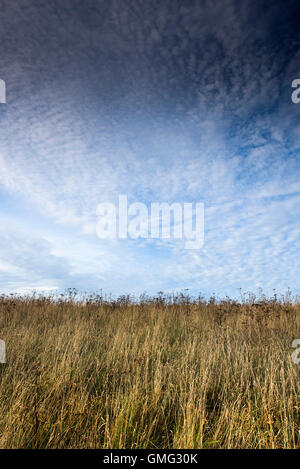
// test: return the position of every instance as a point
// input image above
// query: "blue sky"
(169, 101)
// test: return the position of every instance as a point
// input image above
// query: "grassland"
(158, 373)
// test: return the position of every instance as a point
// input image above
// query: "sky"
(163, 101)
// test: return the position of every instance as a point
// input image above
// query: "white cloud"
(197, 114)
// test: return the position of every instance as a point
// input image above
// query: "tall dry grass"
(158, 374)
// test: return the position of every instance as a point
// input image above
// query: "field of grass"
(158, 373)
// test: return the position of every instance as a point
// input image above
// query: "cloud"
(162, 101)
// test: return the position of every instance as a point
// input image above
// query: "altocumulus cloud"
(163, 101)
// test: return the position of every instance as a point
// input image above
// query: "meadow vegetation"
(162, 372)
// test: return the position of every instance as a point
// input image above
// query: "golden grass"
(105, 374)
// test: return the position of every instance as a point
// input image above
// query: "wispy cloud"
(162, 101)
